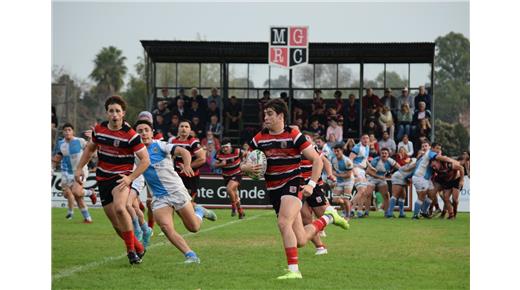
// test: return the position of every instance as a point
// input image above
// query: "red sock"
(141, 206)
(292, 255)
(233, 206)
(238, 207)
(129, 237)
(319, 224)
(138, 246)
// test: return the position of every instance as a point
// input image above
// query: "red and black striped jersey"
(306, 167)
(115, 150)
(232, 160)
(283, 153)
(191, 144)
(445, 173)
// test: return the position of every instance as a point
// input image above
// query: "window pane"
(279, 77)
(326, 75)
(240, 94)
(210, 75)
(238, 75)
(165, 75)
(420, 74)
(259, 75)
(256, 94)
(397, 75)
(346, 93)
(275, 94)
(303, 76)
(373, 75)
(303, 94)
(349, 75)
(188, 75)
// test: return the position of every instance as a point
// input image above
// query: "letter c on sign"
(298, 56)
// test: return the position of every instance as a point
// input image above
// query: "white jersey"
(71, 153)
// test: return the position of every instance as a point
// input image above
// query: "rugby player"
(400, 180)
(379, 168)
(342, 169)
(229, 160)
(451, 179)
(359, 156)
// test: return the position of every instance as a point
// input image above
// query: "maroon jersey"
(232, 160)
(115, 150)
(283, 153)
(306, 168)
(193, 146)
(445, 173)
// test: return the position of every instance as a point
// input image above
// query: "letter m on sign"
(288, 46)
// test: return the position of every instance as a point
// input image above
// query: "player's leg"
(447, 202)
(132, 196)
(369, 190)
(191, 215)
(347, 193)
(455, 196)
(78, 192)
(147, 231)
(232, 189)
(149, 210)
(67, 193)
(383, 189)
(306, 214)
(396, 192)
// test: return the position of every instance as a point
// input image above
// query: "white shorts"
(68, 179)
(376, 181)
(398, 179)
(139, 186)
(177, 200)
(422, 184)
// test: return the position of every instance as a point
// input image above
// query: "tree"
(453, 137)
(135, 94)
(109, 70)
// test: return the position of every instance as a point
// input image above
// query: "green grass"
(374, 254)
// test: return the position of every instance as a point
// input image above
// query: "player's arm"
(447, 159)
(371, 171)
(460, 169)
(90, 148)
(317, 166)
(186, 160)
(144, 162)
(352, 156)
(200, 159)
(55, 160)
(328, 168)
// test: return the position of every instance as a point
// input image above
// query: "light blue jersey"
(160, 175)
(382, 167)
(423, 168)
(342, 166)
(71, 153)
(362, 153)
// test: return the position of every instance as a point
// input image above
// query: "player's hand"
(332, 178)
(125, 181)
(461, 184)
(188, 171)
(79, 176)
(307, 190)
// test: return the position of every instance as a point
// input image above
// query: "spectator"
(165, 95)
(245, 149)
(405, 117)
(372, 129)
(299, 123)
(162, 109)
(318, 107)
(299, 113)
(424, 129)
(402, 157)
(420, 114)
(406, 143)
(181, 110)
(160, 126)
(196, 111)
(338, 102)
(284, 97)
(386, 122)
(173, 103)
(215, 97)
(390, 101)
(211, 157)
(369, 101)
(406, 98)
(215, 126)
(54, 127)
(213, 109)
(233, 114)
(423, 96)
(173, 129)
(373, 141)
(261, 103)
(334, 130)
(197, 127)
(372, 151)
(210, 138)
(351, 114)
(388, 143)
(316, 128)
(348, 146)
(199, 98)
(332, 114)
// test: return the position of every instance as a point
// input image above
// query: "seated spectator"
(405, 117)
(173, 103)
(390, 101)
(162, 109)
(405, 98)
(406, 143)
(214, 97)
(372, 115)
(233, 114)
(372, 152)
(335, 130)
(181, 110)
(299, 123)
(338, 102)
(421, 113)
(210, 138)
(316, 128)
(213, 109)
(373, 140)
(348, 146)
(197, 127)
(299, 113)
(165, 95)
(351, 114)
(196, 111)
(464, 162)
(318, 107)
(424, 129)
(203, 104)
(160, 126)
(402, 157)
(332, 114)
(370, 100)
(284, 97)
(173, 129)
(386, 121)
(245, 149)
(388, 143)
(372, 129)
(261, 103)
(215, 126)
(423, 96)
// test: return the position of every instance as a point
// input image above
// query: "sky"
(81, 29)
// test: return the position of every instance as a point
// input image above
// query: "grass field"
(247, 254)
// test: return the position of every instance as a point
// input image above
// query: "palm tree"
(109, 69)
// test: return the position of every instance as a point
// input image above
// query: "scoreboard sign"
(289, 46)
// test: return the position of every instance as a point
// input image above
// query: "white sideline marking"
(76, 269)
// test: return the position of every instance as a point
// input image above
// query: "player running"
(116, 143)
(343, 170)
(359, 156)
(283, 146)
(169, 192)
(379, 168)
(69, 151)
(229, 160)
(198, 157)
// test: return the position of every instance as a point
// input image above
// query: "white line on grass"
(81, 268)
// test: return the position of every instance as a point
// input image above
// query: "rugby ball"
(257, 157)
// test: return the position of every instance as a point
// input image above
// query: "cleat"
(141, 255)
(93, 196)
(133, 258)
(146, 237)
(290, 275)
(233, 213)
(451, 217)
(192, 260)
(402, 216)
(426, 216)
(68, 216)
(321, 251)
(322, 234)
(87, 221)
(390, 216)
(241, 215)
(207, 213)
(337, 219)
(415, 217)
(437, 212)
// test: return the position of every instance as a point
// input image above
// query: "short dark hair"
(385, 149)
(267, 93)
(435, 144)
(67, 125)
(186, 121)
(140, 122)
(226, 140)
(279, 106)
(337, 94)
(115, 100)
(338, 146)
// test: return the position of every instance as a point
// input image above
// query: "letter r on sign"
(278, 55)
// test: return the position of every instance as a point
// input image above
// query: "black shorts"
(450, 184)
(236, 177)
(292, 187)
(317, 198)
(191, 184)
(105, 190)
